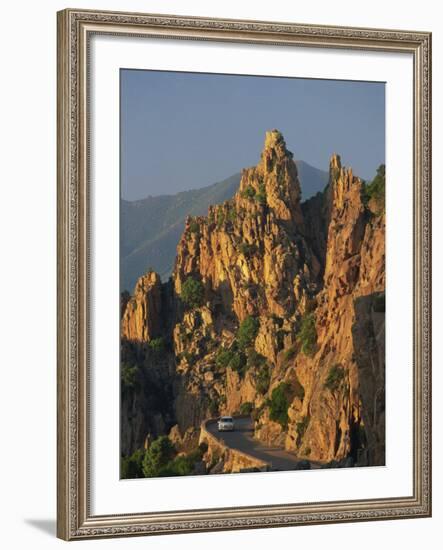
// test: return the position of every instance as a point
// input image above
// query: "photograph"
(252, 273)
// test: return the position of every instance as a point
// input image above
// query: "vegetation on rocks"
(224, 358)
(161, 460)
(194, 226)
(232, 213)
(246, 408)
(247, 331)
(128, 376)
(289, 354)
(307, 335)
(158, 456)
(260, 197)
(192, 293)
(131, 466)
(248, 192)
(279, 404)
(263, 379)
(255, 359)
(157, 344)
(233, 358)
(376, 189)
(247, 249)
(239, 363)
(335, 377)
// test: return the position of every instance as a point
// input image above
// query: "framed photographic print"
(243, 274)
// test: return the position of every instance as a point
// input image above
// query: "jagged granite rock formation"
(250, 252)
(142, 317)
(309, 279)
(332, 421)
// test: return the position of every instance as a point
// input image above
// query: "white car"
(225, 424)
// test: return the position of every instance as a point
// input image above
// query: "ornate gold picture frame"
(75, 517)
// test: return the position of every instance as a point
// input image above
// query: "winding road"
(242, 439)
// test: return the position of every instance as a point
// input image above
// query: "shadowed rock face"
(146, 406)
(368, 334)
(312, 276)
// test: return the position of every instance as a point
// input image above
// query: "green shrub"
(223, 358)
(279, 404)
(247, 249)
(159, 454)
(307, 335)
(376, 189)
(260, 197)
(194, 226)
(183, 465)
(238, 363)
(157, 345)
(179, 466)
(289, 354)
(192, 293)
(247, 332)
(165, 463)
(232, 214)
(233, 358)
(335, 377)
(254, 359)
(248, 192)
(128, 376)
(131, 466)
(246, 408)
(263, 379)
(195, 455)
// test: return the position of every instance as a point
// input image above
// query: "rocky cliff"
(275, 308)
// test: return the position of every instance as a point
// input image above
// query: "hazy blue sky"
(186, 130)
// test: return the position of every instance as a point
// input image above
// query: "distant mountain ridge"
(151, 227)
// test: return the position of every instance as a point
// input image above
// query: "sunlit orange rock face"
(142, 317)
(295, 267)
(251, 252)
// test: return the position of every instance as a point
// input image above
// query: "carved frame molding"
(75, 28)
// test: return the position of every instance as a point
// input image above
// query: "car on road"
(226, 424)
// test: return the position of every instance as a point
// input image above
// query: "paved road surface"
(242, 439)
